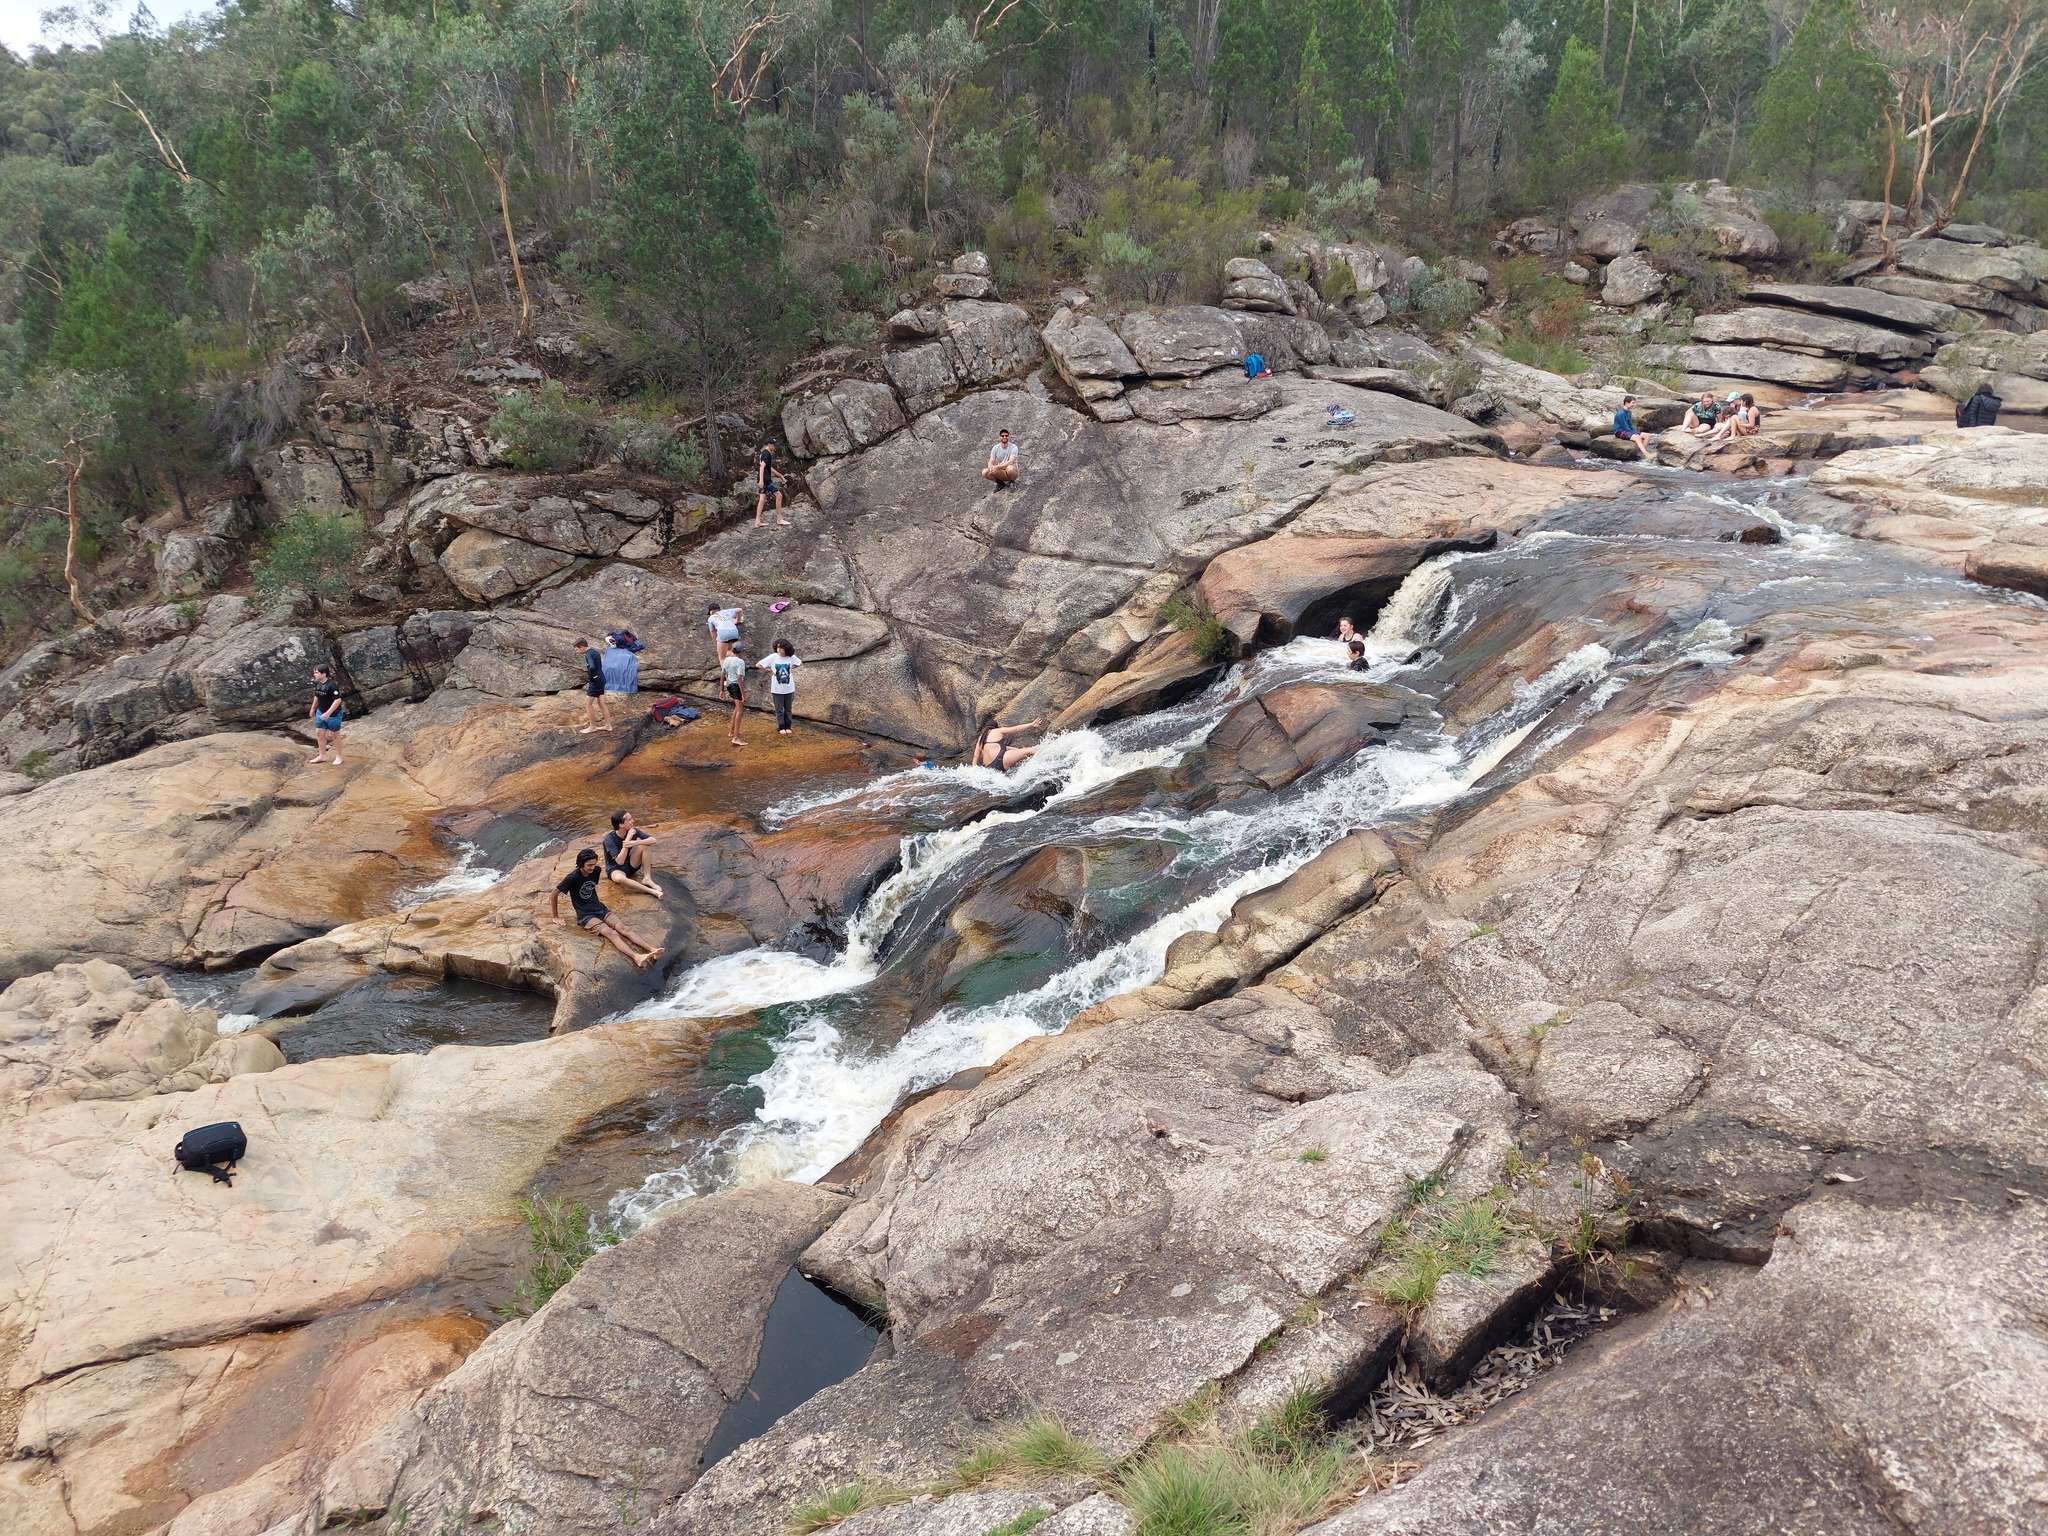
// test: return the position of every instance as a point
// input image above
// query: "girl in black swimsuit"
(989, 751)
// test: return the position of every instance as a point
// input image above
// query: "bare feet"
(737, 742)
(785, 523)
(784, 733)
(320, 759)
(334, 762)
(585, 730)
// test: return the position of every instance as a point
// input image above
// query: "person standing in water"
(1346, 631)
(328, 716)
(781, 669)
(732, 672)
(580, 885)
(990, 750)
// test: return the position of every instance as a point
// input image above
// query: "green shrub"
(1440, 302)
(1157, 235)
(1281, 1474)
(1693, 267)
(1806, 240)
(311, 554)
(1550, 356)
(543, 428)
(655, 446)
(562, 1236)
(1189, 613)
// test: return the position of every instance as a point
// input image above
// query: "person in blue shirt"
(1625, 429)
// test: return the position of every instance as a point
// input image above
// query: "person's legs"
(319, 743)
(625, 943)
(334, 744)
(1012, 756)
(1006, 473)
(781, 521)
(782, 711)
(760, 506)
(739, 704)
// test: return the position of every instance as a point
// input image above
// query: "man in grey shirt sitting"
(1002, 461)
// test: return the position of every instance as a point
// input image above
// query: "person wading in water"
(989, 748)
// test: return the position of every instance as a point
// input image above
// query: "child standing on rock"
(328, 716)
(732, 671)
(781, 669)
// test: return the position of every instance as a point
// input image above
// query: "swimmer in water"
(989, 751)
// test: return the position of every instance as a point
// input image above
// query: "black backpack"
(204, 1149)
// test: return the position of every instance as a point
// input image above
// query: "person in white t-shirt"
(781, 667)
(1002, 461)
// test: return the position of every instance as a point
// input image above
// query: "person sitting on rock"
(580, 885)
(626, 858)
(1002, 461)
(1702, 416)
(1740, 418)
(1981, 409)
(989, 750)
(724, 624)
(1625, 420)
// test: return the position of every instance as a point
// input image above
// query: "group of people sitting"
(1709, 418)
(624, 862)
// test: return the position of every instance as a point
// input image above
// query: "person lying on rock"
(724, 624)
(595, 704)
(1002, 461)
(1702, 416)
(592, 915)
(328, 716)
(627, 853)
(989, 750)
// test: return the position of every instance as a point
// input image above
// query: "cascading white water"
(469, 876)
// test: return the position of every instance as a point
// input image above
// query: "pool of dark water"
(812, 1340)
(412, 1015)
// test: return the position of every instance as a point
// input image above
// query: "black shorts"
(772, 486)
(594, 688)
(735, 692)
(602, 914)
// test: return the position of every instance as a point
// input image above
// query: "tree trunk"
(511, 244)
(74, 466)
(714, 450)
(1457, 153)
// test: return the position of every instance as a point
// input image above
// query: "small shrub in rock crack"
(1429, 1243)
(562, 1237)
(1189, 614)
(843, 1503)
(1285, 1471)
(543, 428)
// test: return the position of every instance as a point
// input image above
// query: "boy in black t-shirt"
(328, 716)
(580, 885)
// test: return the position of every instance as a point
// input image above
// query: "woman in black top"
(626, 857)
(328, 716)
(767, 483)
(580, 885)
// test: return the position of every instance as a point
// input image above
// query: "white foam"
(467, 878)
(236, 1023)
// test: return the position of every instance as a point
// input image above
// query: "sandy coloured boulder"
(92, 1031)
(1770, 325)
(1249, 283)
(2018, 271)
(1766, 363)
(1180, 343)
(1827, 1392)
(1631, 279)
(599, 1406)
(490, 567)
(987, 342)
(588, 515)
(1867, 304)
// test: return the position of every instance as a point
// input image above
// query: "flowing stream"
(1023, 899)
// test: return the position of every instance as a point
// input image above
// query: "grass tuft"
(1428, 1244)
(1189, 613)
(562, 1237)
(843, 1503)
(1038, 1447)
(1030, 1520)
(1281, 1474)
(1313, 1155)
